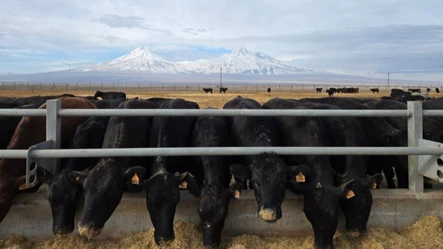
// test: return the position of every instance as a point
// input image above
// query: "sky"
(371, 38)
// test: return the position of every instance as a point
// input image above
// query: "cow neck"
(322, 172)
(213, 169)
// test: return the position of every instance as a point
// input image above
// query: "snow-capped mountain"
(242, 61)
(238, 61)
(139, 60)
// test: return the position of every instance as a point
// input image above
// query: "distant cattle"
(223, 89)
(30, 131)
(331, 91)
(110, 95)
(374, 90)
(318, 89)
(437, 90)
(269, 90)
(428, 90)
(348, 90)
(207, 90)
(414, 90)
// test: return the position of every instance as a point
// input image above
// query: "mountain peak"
(240, 51)
(143, 52)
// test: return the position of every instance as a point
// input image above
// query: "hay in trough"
(425, 233)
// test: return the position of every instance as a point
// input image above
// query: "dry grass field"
(215, 100)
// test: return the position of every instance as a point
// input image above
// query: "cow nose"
(267, 214)
(60, 231)
(88, 232)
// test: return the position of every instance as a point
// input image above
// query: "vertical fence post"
(415, 132)
(53, 129)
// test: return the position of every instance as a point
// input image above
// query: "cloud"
(116, 21)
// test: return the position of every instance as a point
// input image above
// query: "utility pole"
(69, 70)
(388, 80)
(221, 71)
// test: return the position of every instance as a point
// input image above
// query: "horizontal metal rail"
(433, 113)
(222, 151)
(22, 112)
(234, 112)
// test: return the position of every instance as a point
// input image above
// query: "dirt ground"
(215, 100)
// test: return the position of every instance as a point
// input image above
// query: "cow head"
(103, 187)
(358, 208)
(9, 187)
(63, 195)
(213, 200)
(321, 203)
(267, 174)
(162, 198)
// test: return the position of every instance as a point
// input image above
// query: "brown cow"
(30, 131)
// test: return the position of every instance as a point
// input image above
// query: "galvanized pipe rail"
(54, 113)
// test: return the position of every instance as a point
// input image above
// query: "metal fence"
(48, 153)
(295, 86)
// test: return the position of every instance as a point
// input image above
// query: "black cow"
(269, 90)
(162, 187)
(437, 90)
(374, 90)
(107, 103)
(91, 98)
(105, 183)
(215, 193)
(318, 89)
(428, 90)
(431, 131)
(63, 193)
(223, 89)
(110, 95)
(267, 172)
(207, 90)
(378, 132)
(321, 196)
(331, 91)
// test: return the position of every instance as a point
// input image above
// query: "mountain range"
(238, 61)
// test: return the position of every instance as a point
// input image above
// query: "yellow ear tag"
(300, 177)
(183, 185)
(350, 194)
(135, 180)
(236, 194)
(22, 186)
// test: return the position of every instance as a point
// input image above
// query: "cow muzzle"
(88, 232)
(268, 214)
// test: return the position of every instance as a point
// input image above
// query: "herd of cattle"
(328, 183)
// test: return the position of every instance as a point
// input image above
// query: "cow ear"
(189, 182)
(20, 183)
(234, 190)
(374, 180)
(240, 172)
(78, 177)
(298, 173)
(135, 174)
(348, 189)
